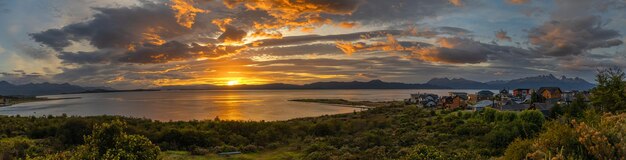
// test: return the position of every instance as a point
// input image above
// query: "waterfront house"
(550, 92)
(484, 95)
(463, 95)
(424, 99)
(3, 101)
(504, 92)
(453, 102)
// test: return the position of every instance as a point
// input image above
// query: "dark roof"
(515, 107)
(550, 89)
(517, 89)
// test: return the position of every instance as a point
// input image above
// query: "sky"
(128, 44)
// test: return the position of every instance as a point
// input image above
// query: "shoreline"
(15, 101)
(344, 103)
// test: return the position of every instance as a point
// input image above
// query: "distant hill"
(458, 83)
(528, 82)
(37, 89)
(374, 84)
(33, 89)
(435, 83)
(546, 81)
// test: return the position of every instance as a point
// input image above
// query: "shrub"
(518, 149)
(16, 147)
(532, 116)
(424, 152)
(200, 151)
(109, 141)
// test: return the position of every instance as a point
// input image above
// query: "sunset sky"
(148, 43)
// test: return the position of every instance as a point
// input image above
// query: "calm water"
(255, 105)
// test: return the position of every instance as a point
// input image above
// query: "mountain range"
(528, 82)
(435, 83)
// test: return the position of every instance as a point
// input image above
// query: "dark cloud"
(116, 27)
(34, 51)
(453, 31)
(394, 11)
(337, 37)
(171, 51)
(572, 36)
(321, 49)
(100, 56)
(454, 50)
(232, 35)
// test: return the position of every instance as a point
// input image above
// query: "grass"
(277, 154)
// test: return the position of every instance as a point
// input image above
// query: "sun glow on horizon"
(232, 82)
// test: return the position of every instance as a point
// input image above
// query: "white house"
(424, 99)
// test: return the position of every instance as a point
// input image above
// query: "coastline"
(15, 101)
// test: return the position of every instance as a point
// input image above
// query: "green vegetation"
(390, 131)
(18, 100)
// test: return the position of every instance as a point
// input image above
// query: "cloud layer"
(166, 42)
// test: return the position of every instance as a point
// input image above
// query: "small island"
(343, 102)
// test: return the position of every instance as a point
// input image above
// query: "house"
(459, 94)
(504, 92)
(515, 107)
(453, 102)
(3, 101)
(424, 99)
(482, 104)
(550, 92)
(472, 99)
(484, 95)
(521, 92)
(569, 96)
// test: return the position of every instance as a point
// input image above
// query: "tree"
(109, 141)
(610, 93)
(556, 111)
(577, 107)
(536, 98)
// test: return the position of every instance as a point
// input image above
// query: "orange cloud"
(347, 24)
(295, 14)
(457, 3)
(151, 36)
(265, 34)
(390, 45)
(518, 1)
(186, 12)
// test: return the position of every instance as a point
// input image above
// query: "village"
(543, 99)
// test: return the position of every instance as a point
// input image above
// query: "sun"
(232, 82)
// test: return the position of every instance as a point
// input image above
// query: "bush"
(249, 149)
(200, 151)
(532, 116)
(16, 147)
(109, 141)
(518, 149)
(424, 152)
